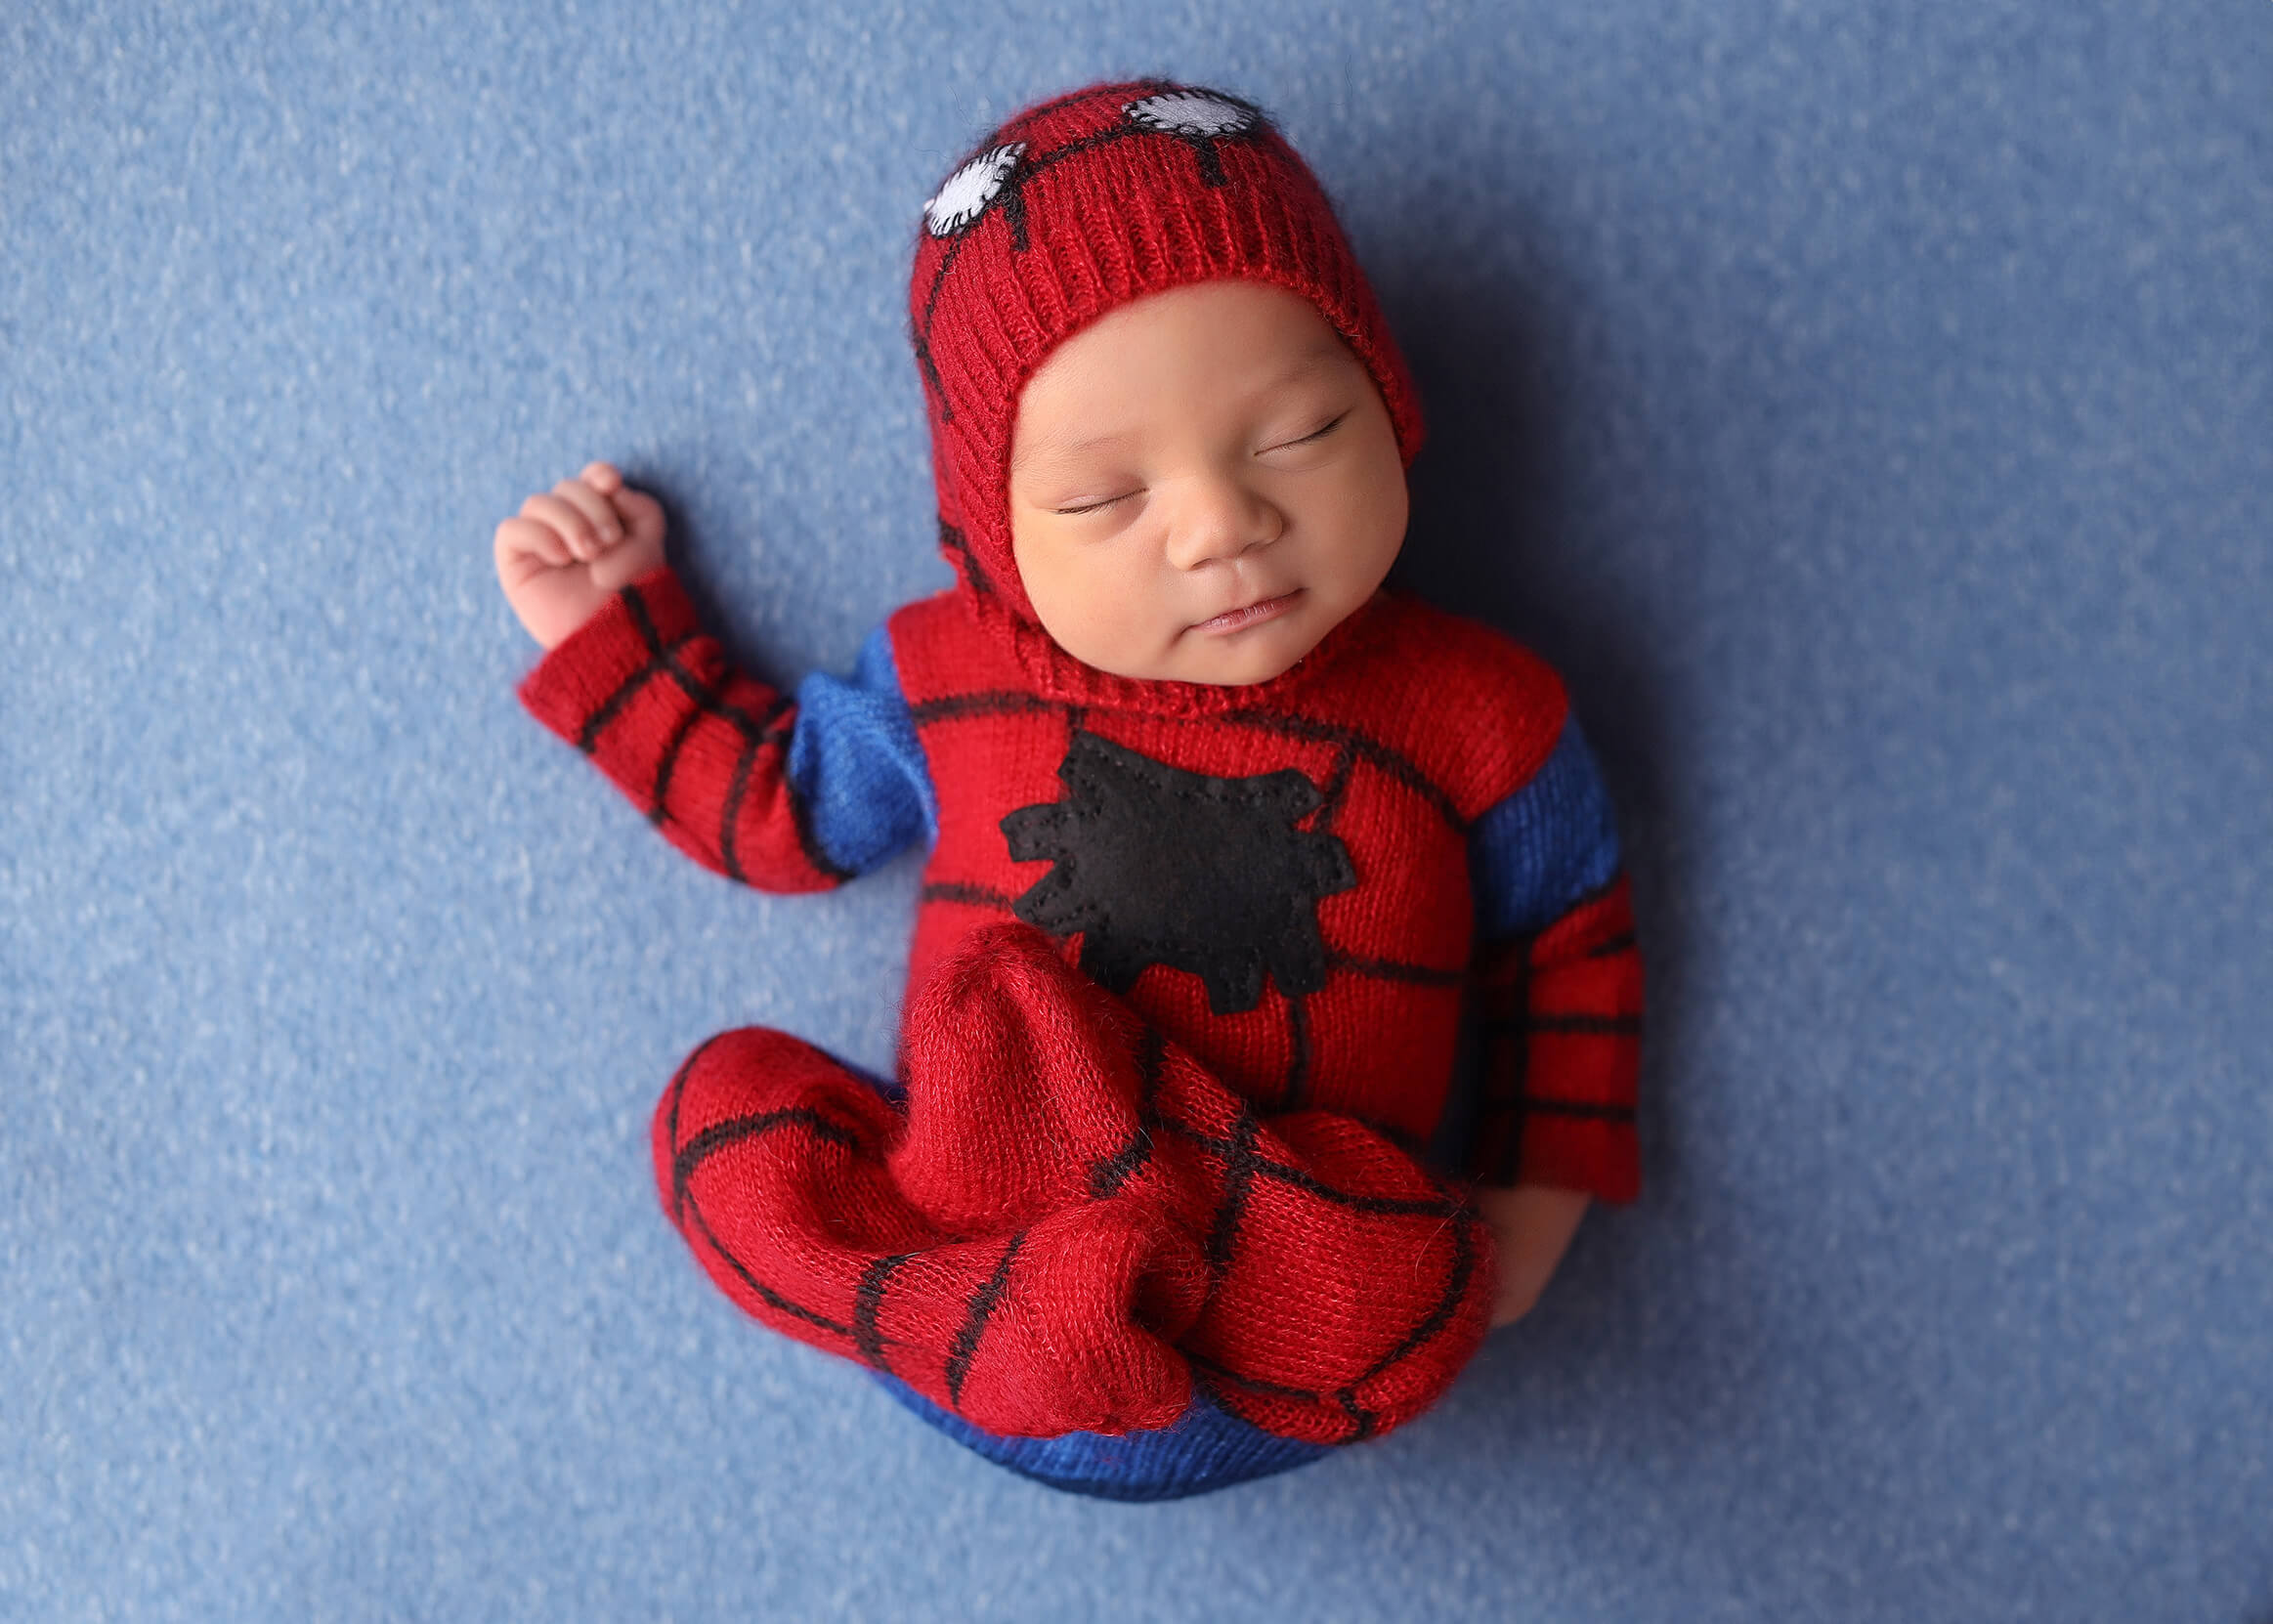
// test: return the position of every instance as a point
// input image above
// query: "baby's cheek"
(1073, 604)
(1117, 590)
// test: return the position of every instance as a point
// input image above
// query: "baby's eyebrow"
(1329, 347)
(1062, 450)
(1328, 351)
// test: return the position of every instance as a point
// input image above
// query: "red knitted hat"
(1082, 204)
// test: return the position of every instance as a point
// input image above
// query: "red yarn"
(1252, 1216)
(1071, 1210)
(1074, 208)
(1204, 1170)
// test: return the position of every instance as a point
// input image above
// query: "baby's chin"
(1236, 663)
(1250, 674)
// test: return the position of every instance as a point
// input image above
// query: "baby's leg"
(1344, 1284)
(804, 1195)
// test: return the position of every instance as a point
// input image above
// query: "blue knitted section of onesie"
(855, 763)
(1543, 848)
(1203, 1449)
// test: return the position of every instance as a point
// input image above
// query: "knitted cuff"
(573, 686)
(1563, 1033)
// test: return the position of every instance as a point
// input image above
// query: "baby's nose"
(1221, 520)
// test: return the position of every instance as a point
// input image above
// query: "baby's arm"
(1562, 983)
(783, 793)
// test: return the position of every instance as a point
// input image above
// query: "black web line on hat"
(953, 540)
(1020, 170)
(1088, 93)
(1009, 196)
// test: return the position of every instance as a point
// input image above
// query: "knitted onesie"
(1146, 1212)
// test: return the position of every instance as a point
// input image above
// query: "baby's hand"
(1531, 1225)
(572, 547)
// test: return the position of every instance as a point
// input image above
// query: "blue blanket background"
(1865, 405)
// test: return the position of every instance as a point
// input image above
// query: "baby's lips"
(1224, 618)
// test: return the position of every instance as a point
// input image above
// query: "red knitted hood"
(1073, 207)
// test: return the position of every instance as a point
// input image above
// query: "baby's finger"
(602, 477)
(521, 540)
(642, 514)
(596, 509)
(576, 531)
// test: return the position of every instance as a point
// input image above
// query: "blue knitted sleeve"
(855, 765)
(1535, 855)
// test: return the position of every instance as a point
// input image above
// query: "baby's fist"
(1531, 1225)
(570, 550)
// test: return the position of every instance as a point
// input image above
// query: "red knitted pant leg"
(1345, 1283)
(1067, 1195)
(790, 1178)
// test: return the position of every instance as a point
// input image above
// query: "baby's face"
(1203, 483)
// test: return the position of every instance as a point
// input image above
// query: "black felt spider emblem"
(1158, 865)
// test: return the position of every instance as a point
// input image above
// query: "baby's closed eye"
(1315, 435)
(1098, 505)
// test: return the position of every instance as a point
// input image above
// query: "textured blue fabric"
(855, 762)
(1553, 841)
(1862, 407)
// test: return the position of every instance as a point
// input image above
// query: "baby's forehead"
(1236, 348)
(1048, 431)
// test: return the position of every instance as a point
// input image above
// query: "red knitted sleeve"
(699, 747)
(1562, 1051)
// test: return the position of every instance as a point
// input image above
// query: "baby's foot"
(772, 1160)
(1019, 1065)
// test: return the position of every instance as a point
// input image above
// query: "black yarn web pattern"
(1350, 746)
(1309, 864)
(708, 703)
(1242, 1166)
(1316, 864)
(1155, 864)
(1010, 200)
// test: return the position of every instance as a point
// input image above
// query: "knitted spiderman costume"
(1156, 1223)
